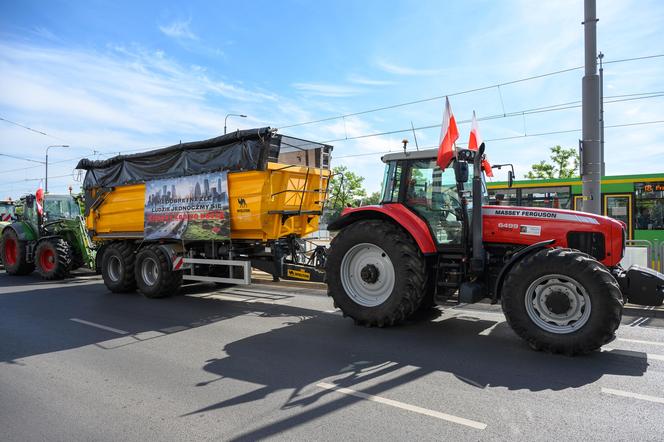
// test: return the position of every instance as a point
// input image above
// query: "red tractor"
(433, 239)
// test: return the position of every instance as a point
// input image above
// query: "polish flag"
(39, 197)
(475, 141)
(475, 137)
(448, 135)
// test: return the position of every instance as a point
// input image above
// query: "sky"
(121, 77)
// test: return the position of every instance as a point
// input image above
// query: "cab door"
(619, 206)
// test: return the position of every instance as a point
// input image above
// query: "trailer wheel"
(376, 274)
(117, 267)
(53, 258)
(13, 254)
(154, 276)
(562, 301)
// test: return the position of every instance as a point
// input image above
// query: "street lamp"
(46, 178)
(232, 115)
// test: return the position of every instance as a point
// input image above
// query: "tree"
(559, 165)
(345, 188)
(372, 199)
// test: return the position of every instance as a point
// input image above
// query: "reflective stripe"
(177, 263)
(539, 214)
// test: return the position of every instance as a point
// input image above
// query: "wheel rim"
(558, 304)
(114, 268)
(149, 271)
(367, 274)
(47, 260)
(10, 251)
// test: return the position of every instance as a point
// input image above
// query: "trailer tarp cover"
(240, 150)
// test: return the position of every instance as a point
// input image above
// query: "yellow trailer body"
(281, 201)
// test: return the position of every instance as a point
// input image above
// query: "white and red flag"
(448, 135)
(475, 141)
(39, 198)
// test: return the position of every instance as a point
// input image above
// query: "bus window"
(503, 197)
(649, 206)
(552, 197)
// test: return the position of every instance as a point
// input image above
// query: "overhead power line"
(536, 110)
(21, 158)
(539, 134)
(467, 91)
(30, 129)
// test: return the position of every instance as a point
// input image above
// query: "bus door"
(619, 206)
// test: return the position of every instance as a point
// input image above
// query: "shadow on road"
(327, 348)
(310, 347)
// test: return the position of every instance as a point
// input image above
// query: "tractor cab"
(7, 212)
(442, 198)
(58, 207)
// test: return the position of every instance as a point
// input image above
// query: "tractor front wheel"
(13, 254)
(53, 258)
(562, 301)
(376, 274)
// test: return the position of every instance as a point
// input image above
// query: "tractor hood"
(599, 236)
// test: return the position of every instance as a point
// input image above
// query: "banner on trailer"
(191, 208)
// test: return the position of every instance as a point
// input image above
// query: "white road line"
(639, 341)
(635, 354)
(404, 406)
(103, 327)
(638, 321)
(629, 394)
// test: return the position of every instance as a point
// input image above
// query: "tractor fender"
(396, 213)
(22, 230)
(518, 256)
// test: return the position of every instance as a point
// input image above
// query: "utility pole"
(591, 160)
(600, 56)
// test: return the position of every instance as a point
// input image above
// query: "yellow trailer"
(208, 211)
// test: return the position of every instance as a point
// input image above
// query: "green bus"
(637, 200)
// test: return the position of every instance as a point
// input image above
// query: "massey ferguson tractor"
(433, 239)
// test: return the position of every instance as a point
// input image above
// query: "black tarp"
(241, 150)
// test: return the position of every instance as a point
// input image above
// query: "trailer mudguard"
(516, 257)
(397, 213)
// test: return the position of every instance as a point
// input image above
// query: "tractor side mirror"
(461, 171)
(29, 201)
(510, 178)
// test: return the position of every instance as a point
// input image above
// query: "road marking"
(404, 406)
(635, 354)
(639, 341)
(638, 321)
(643, 397)
(103, 327)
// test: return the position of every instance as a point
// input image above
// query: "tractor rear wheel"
(53, 258)
(154, 276)
(13, 254)
(376, 273)
(562, 301)
(117, 267)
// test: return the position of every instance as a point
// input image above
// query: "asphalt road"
(267, 361)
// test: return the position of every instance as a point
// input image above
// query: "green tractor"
(50, 237)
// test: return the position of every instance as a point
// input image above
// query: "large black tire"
(154, 276)
(53, 258)
(13, 254)
(398, 251)
(117, 267)
(564, 326)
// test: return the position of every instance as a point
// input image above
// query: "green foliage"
(372, 199)
(564, 163)
(345, 188)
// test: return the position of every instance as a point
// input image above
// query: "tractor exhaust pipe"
(477, 262)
